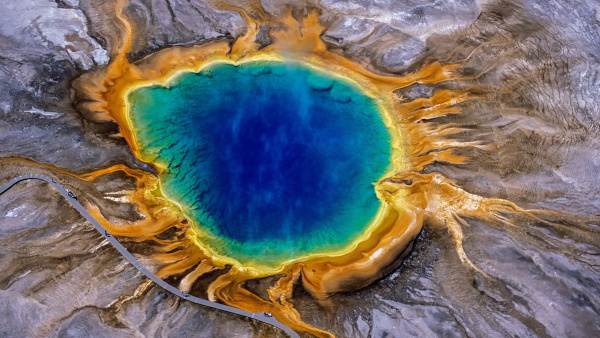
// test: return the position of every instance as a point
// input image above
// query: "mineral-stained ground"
(532, 72)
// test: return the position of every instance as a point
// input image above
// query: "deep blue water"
(275, 160)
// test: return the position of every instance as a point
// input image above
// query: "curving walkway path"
(73, 200)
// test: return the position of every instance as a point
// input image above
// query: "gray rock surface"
(417, 18)
(178, 22)
(397, 30)
(41, 27)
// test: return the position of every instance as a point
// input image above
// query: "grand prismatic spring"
(268, 159)
(287, 156)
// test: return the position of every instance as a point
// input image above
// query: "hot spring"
(272, 161)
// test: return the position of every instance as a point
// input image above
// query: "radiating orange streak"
(146, 228)
(136, 173)
(164, 245)
(170, 246)
(177, 263)
(227, 288)
(203, 268)
(282, 290)
(440, 100)
(175, 256)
